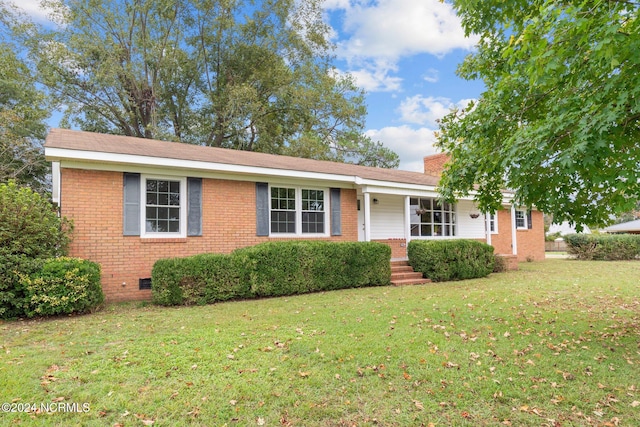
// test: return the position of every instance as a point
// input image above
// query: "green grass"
(556, 343)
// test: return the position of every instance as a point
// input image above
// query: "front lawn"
(556, 343)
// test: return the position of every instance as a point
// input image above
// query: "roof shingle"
(116, 144)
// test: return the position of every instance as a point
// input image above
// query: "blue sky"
(404, 53)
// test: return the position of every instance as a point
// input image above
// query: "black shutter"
(336, 217)
(131, 209)
(194, 206)
(262, 209)
(529, 222)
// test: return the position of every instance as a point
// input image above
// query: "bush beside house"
(604, 247)
(32, 280)
(270, 269)
(444, 260)
(62, 286)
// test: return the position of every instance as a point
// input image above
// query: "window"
(493, 223)
(164, 207)
(431, 217)
(283, 210)
(313, 211)
(297, 211)
(521, 219)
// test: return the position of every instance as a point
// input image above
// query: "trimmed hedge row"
(604, 247)
(270, 269)
(62, 286)
(444, 260)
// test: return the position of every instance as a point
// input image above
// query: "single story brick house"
(134, 201)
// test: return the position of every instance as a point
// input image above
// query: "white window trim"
(143, 207)
(526, 225)
(494, 218)
(299, 233)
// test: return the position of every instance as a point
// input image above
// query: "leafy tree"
(225, 73)
(22, 123)
(559, 120)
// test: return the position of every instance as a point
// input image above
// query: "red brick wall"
(93, 199)
(530, 241)
(434, 164)
(502, 241)
(398, 247)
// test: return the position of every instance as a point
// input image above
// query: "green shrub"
(30, 230)
(200, 279)
(63, 286)
(444, 260)
(270, 269)
(607, 247)
(500, 264)
(297, 267)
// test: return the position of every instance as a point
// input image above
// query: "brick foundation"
(398, 247)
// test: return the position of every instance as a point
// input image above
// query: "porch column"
(407, 219)
(367, 217)
(487, 225)
(514, 240)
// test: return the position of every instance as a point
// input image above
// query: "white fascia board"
(128, 162)
(403, 189)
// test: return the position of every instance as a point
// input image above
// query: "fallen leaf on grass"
(418, 404)
(143, 418)
(635, 404)
(303, 374)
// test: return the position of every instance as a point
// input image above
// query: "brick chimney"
(434, 164)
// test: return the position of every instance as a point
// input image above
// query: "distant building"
(631, 227)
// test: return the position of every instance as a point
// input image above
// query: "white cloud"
(410, 144)
(431, 76)
(392, 29)
(33, 9)
(422, 110)
(377, 77)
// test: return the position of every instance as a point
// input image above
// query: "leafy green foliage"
(444, 260)
(608, 247)
(22, 123)
(63, 286)
(242, 75)
(200, 279)
(270, 269)
(30, 230)
(559, 120)
(298, 267)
